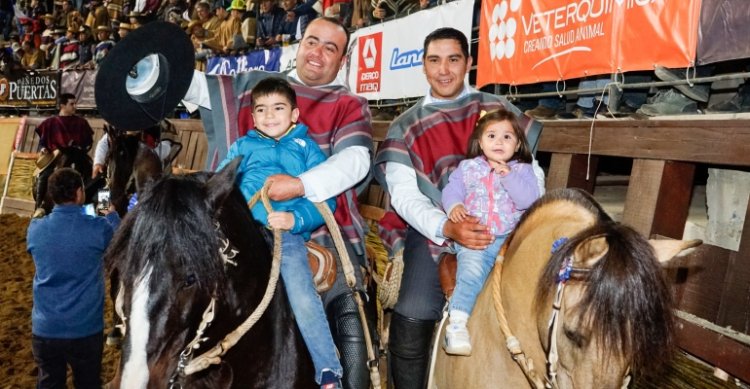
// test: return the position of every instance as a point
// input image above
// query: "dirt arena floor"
(17, 368)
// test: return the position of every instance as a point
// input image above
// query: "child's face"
(273, 114)
(499, 143)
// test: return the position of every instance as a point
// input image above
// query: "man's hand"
(98, 169)
(469, 233)
(281, 220)
(283, 187)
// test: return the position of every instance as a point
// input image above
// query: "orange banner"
(522, 42)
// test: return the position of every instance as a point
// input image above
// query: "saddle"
(323, 266)
(447, 268)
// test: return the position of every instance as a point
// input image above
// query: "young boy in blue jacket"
(280, 145)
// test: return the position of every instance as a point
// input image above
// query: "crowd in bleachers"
(77, 34)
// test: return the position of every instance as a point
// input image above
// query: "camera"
(102, 200)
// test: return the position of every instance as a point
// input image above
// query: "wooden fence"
(711, 285)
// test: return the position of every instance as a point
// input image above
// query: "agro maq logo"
(503, 29)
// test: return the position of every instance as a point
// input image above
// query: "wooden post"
(658, 197)
(734, 309)
(569, 171)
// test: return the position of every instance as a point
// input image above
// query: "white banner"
(386, 59)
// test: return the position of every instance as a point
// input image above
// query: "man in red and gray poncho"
(422, 147)
(339, 122)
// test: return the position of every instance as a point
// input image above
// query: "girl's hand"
(281, 220)
(503, 169)
(458, 214)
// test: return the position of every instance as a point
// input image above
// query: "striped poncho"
(336, 118)
(432, 139)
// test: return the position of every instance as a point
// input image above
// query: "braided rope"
(511, 342)
(213, 356)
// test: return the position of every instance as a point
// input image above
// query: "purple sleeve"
(454, 192)
(521, 185)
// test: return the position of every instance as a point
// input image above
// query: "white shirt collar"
(430, 99)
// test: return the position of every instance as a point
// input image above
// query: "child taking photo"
(496, 184)
(279, 145)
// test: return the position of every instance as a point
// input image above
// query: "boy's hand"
(281, 220)
(458, 214)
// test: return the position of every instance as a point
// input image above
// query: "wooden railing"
(712, 283)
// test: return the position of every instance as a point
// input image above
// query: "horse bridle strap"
(213, 356)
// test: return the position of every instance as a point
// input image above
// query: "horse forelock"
(172, 228)
(626, 303)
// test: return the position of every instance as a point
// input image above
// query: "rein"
(187, 365)
(514, 345)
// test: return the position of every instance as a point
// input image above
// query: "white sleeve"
(100, 153)
(411, 204)
(539, 173)
(338, 173)
(197, 94)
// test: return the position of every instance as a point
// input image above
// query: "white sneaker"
(457, 339)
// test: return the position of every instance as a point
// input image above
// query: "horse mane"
(626, 301)
(177, 204)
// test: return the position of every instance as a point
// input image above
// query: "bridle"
(566, 273)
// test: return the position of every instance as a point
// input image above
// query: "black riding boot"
(349, 336)
(409, 345)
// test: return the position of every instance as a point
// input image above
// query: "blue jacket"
(293, 154)
(67, 248)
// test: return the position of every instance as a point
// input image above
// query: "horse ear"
(590, 251)
(666, 249)
(222, 183)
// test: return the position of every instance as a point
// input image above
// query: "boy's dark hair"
(524, 152)
(63, 184)
(66, 97)
(274, 86)
(448, 33)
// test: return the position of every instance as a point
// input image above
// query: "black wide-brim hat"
(145, 75)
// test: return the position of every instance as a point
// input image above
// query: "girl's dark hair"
(524, 152)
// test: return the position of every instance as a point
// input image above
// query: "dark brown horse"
(72, 157)
(191, 244)
(580, 299)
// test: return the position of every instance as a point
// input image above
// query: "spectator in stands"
(67, 318)
(340, 122)
(86, 46)
(123, 30)
(135, 20)
(269, 24)
(74, 20)
(397, 8)
(33, 58)
(231, 26)
(361, 13)
(298, 14)
(98, 16)
(198, 34)
(61, 14)
(415, 195)
(104, 44)
(114, 9)
(209, 22)
(249, 25)
(173, 7)
(69, 48)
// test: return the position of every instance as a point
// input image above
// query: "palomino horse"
(581, 296)
(194, 265)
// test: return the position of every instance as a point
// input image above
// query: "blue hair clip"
(558, 243)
